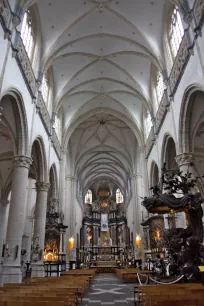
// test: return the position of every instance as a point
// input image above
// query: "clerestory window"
(119, 196)
(27, 34)
(176, 31)
(88, 197)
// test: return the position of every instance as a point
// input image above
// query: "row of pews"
(67, 290)
(170, 295)
(161, 295)
(130, 275)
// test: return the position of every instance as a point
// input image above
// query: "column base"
(38, 270)
(12, 275)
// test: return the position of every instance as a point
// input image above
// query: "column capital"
(70, 178)
(142, 149)
(30, 218)
(41, 186)
(184, 159)
(54, 200)
(22, 161)
(64, 151)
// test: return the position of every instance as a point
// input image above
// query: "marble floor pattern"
(106, 289)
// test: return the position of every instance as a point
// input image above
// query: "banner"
(104, 222)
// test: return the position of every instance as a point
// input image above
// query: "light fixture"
(138, 238)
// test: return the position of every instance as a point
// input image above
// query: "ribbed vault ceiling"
(103, 148)
(102, 54)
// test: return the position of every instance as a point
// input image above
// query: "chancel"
(101, 152)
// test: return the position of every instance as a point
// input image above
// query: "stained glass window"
(88, 197)
(119, 196)
(27, 34)
(176, 31)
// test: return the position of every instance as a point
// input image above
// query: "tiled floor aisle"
(106, 289)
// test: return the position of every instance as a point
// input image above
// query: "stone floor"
(106, 289)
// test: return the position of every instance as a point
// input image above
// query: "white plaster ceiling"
(96, 47)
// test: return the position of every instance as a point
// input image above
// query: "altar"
(105, 236)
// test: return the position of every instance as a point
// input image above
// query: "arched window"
(45, 88)
(27, 34)
(176, 31)
(88, 197)
(147, 123)
(119, 196)
(159, 87)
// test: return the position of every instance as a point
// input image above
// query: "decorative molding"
(56, 143)
(25, 66)
(5, 15)
(161, 112)
(70, 178)
(180, 63)
(22, 161)
(44, 114)
(198, 12)
(184, 159)
(150, 142)
(19, 52)
(41, 186)
(188, 17)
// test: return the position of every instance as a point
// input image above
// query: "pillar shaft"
(11, 271)
(39, 229)
(62, 181)
(28, 233)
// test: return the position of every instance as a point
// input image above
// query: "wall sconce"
(138, 240)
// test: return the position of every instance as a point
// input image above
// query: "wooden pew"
(174, 294)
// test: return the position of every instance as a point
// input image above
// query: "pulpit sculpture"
(184, 246)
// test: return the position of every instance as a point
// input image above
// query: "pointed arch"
(53, 182)
(154, 174)
(185, 116)
(169, 152)
(39, 165)
(14, 97)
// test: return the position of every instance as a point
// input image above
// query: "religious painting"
(157, 233)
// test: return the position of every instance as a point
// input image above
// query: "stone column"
(68, 215)
(114, 242)
(28, 233)
(136, 208)
(39, 230)
(94, 236)
(11, 271)
(146, 238)
(185, 163)
(63, 181)
(3, 223)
